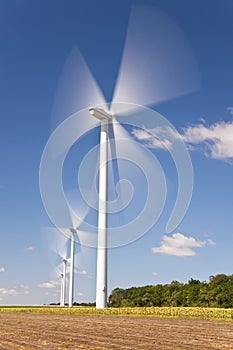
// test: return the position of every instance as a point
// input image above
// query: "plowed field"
(27, 331)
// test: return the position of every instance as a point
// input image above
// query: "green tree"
(218, 292)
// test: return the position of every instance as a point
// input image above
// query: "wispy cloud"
(49, 285)
(24, 286)
(180, 245)
(230, 109)
(157, 138)
(214, 141)
(81, 272)
(30, 248)
(77, 271)
(12, 292)
(2, 269)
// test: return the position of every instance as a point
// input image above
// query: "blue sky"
(36, 41)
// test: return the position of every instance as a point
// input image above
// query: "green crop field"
(178, 312)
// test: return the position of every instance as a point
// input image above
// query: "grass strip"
(173, 312)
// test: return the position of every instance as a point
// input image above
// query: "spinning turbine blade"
(56, 242)
(52, 160)
(157, 62)
(132, 152)
(77, 88)
(114, 170)
(123, 188)
(162, 129)
(61, 245)
(84, 201)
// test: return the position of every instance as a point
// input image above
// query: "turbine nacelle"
(72, 230)
(100, 114)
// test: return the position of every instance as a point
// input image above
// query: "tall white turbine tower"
(71, 287)
(102, 247)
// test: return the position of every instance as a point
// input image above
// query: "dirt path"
(26, 331)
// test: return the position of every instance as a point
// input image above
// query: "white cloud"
(216, 140)
(24, 286)
(180, 245)
(202, 120)
(77, 271)
(30, 248)
(12, 292)
(154, 273)
(158, 138)
(2, 269)
(79, 294)
(49, 285)
(26, 292)
(230, 109)
(46, 285)
(211, 242)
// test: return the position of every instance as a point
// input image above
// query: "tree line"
(217, 292)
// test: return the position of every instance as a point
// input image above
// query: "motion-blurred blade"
(157, 62)
(122, 189)
(61, 246)
(52, 161)
(77, 89)
(75, 221)
(113, 154)
(57, 242)
(57, 249)
(165, 134)
(77, 210)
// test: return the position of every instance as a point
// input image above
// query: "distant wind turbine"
(63, 284)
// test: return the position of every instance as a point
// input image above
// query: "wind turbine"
(64, 247)
(144, 79)
(72, 255)
(63, 284)
(59, 247)
(75, 234)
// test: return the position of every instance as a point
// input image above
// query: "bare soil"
(27, 331)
